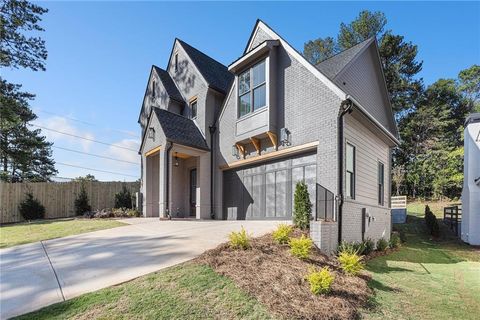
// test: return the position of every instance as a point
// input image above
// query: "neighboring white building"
(471, 182)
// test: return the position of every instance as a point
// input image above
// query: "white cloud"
(62, 124)
(123, 154)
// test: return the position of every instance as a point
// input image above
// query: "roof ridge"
(343, 51)
(203, 53)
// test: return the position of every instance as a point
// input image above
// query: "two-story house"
(232, 142)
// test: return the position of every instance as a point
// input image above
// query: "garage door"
(265, 191)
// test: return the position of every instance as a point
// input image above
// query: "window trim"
(252, 88)
(190, 104)
(381, 196)
(353, 190)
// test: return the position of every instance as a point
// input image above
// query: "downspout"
(167, 179)
(345, 107)
(212, 129)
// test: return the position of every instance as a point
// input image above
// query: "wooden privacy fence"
(58, 197)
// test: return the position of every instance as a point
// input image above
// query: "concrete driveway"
(38, 274)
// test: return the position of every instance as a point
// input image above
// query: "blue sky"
(100, 54)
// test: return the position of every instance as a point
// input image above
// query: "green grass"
(186, 291)
(426, 279)
(417, 207)
(20, 233)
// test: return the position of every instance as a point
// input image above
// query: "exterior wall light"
(285, 136)
(176, 160)
(235, 151)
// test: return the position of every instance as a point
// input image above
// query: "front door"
(193, 191)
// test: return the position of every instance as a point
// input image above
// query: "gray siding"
(363, 80)
(259, 37)
(370, 149)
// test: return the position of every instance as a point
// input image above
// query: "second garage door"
(265, 191)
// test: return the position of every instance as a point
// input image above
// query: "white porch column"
(162, 209)
(203, 206)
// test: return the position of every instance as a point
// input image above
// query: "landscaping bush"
(394, 240)
(302, 207)
(351, 263)
(382, 244)
(320, 281)
(123, 199)
(31, 208)
(282, 234)
(432, 223)
(81, 202)
(239, 240)
(368, 246)
(351, 247)
(300, 247)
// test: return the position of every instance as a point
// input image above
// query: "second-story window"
(193, 106)
(252, 89)
(381, 184)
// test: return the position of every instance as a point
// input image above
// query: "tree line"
(429, 161)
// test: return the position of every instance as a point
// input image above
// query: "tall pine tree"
(24, 154)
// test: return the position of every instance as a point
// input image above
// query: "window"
(350, 171)
(154, 85)
(193, 106)
(381, 184)
(176, 62)
(252, 89)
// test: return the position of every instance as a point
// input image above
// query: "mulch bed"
(270, 273)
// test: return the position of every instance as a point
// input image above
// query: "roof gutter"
(373, 120)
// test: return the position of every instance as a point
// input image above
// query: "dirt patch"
(277, 279)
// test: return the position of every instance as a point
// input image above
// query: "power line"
(80, 137)
(94, 155)
(105, 171)
(88, 123)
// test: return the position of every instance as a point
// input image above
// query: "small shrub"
(123, 199)
(81, 202)
(302, 208)
(432, 223)
(282, 234)
(394, 240)
(382, 244)
(368, 246)
(351, 263)
(31, 208)
(239, 240)
(320, 281)
(132, 213)
(403, 236)
(300, 247)
(351, 247)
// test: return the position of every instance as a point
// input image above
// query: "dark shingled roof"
(181, 130)
(216, 74)
(332, 66)
(168, 84)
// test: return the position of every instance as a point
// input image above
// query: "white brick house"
(231, 142)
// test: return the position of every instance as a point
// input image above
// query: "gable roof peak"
(215, 73)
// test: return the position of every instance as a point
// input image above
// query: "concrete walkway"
(38, 274)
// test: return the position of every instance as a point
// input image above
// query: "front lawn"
(187, 291)
(20, 233)
(426, 279)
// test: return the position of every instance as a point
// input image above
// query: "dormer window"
(252, 89)
(154, 85)
(193, 105)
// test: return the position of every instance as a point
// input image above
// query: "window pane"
(348, 185)
(259, 74)
(244, 107)
(194, 110)
(259, 97)
(350, 158)
(244, 82)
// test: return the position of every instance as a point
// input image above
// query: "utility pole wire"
(79, 137)
(105, 171)
(94, 155)
(88, 123)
